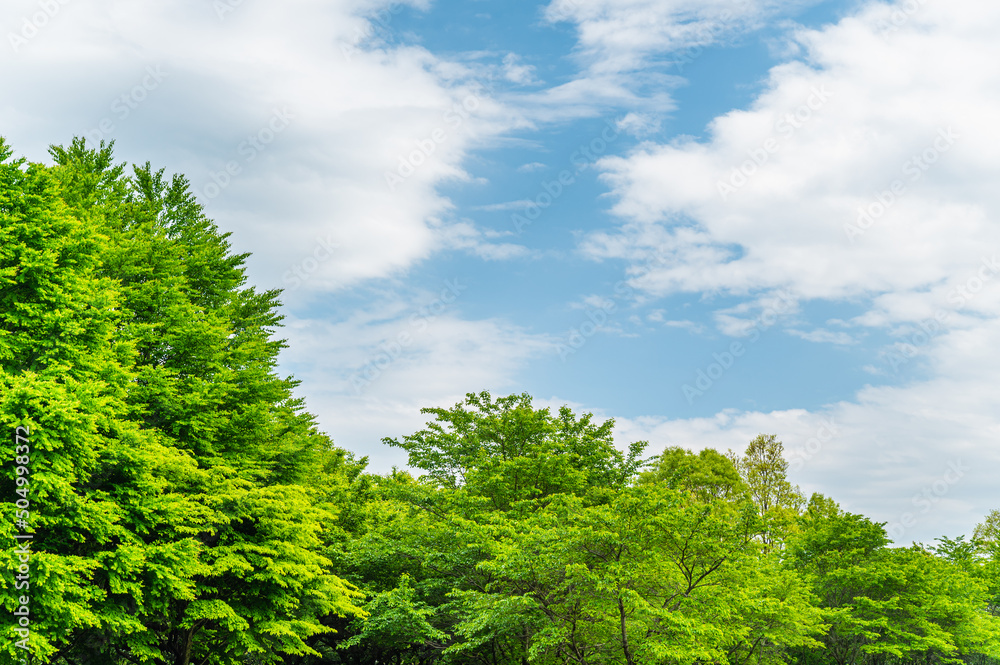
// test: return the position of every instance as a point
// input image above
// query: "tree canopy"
(183, 500)
(186, 510)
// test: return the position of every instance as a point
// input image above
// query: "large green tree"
(185, 498)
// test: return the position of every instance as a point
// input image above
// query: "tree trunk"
(625, 649)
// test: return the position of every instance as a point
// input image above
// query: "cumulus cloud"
(857, 172)
(298, 112)
(857, 177)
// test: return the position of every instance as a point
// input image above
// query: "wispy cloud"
(822, 336)
(507, 205)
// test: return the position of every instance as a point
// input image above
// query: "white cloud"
(518, 73)
(760, 313)
(595, 301)
(313, 204)
(369, 375)
(466, 236)
(691, 326)
(621, 35)
(789, 221)
(864, 181)
(659, 316)
(822, 336)
(520, 204)
(890, 454)
(639, 124)
(353, 110)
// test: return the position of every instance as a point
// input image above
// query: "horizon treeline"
(186, 510)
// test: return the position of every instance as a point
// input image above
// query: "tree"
(884, 604)
(708, 474)
(764, 470)
(65, 374)
(986, 540)
(488, 462)
(186, 498)
(506, 451)
(532, 539)
(986, 535)
(654, 576)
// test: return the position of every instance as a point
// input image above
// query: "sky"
(706, 219)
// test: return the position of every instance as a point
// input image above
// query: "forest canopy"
(186, 510)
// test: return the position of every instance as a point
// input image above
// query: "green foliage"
(987, 535)
(902, 604)
(986, 545)
(651, 577)
(187, 510)
(181, 497)
(707, 474)
(506, 451)
(764, 471)
(533, 539)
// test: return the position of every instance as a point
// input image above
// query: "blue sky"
(774, 216)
